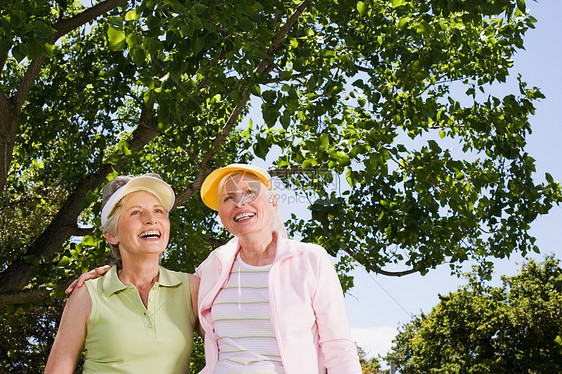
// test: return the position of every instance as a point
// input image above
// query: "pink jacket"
(307, 308)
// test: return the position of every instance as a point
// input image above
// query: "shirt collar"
(112, 284)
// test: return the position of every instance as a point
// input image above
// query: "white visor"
(156, 186)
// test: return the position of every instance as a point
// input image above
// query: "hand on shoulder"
(92, 274)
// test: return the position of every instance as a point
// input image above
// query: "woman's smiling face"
(143, 226)
(246, 205)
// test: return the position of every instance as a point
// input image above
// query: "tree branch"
(62, 28)
(65, 26)
(3, 59)
(25, 296)
(195, 186)
(215, 243)
(63, 225)
(265, 66)
(5, 105)
(363, 69)
(82, 231)
(32, 295)
(276, 42)
(27, 82)
(379, 270)
(191, 154)
(286, 172)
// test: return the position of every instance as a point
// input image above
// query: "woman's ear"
(273, 198)
(110, 238)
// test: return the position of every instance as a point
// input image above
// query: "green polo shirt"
(125, 337)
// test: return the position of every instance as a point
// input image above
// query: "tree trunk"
(8, 129)
(62, 227)
(11, 107)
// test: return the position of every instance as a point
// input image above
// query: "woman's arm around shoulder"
(71, 334)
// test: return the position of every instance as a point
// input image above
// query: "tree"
(369, 365)
(27, 338)
(515, 328)
(364, 100)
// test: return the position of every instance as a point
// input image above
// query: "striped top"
(241, 318)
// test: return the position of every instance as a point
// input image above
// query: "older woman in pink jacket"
(268, 304)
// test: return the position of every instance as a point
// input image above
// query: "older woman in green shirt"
(138, 318)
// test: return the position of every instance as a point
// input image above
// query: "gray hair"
(111, 224)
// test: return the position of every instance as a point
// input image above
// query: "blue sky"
(377, 305)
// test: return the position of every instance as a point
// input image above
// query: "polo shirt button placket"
(147, 319)
(150, 311)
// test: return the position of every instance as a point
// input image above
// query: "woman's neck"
(141, 274)
(258, 250)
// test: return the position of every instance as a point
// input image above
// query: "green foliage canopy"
(386, 100)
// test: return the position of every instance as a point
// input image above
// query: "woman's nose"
(150, 218)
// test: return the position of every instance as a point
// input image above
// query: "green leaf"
(49, 50)
(198, 9)
(124, 148)
(42, 30)
(362, 8)
(269, 96)
(18, 53)
(309, 163)
(198, 45)
(131, 15)
(323, 142)
(5, 45)
(434, 146)
(259, 53)
(113, 159)
(270, 114)
(31, 259)
(399, 3)
(116, 22)
(65, 261)
(116, 38)
(261, 148)
(89, 241)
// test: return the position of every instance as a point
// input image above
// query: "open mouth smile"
(243, 216)
(150, 234)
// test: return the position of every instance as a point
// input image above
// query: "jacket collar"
(112, 284)
(285, 248)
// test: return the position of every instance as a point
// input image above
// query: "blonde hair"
(276, 219)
